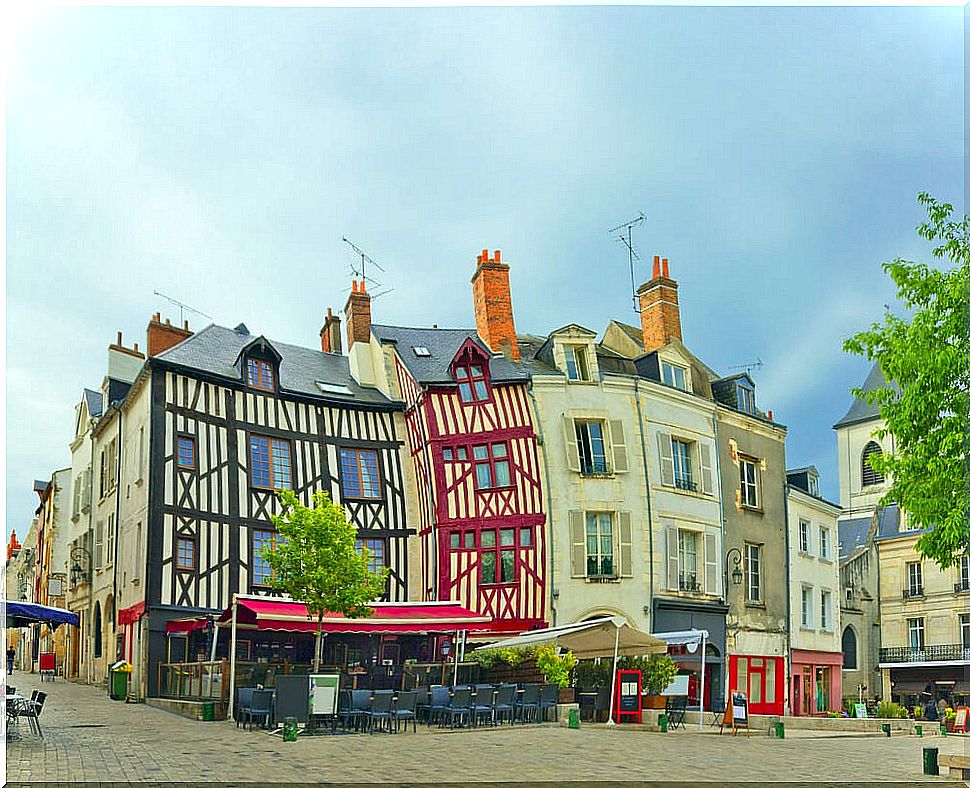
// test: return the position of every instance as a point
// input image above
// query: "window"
(825, 610)
(262, 572)
(917, 640)
(421, 351)
(471, 383)
(186, 452)
(492, 466)
(965, 573)
(599, 545)
(824, 543)
(745, 399)
(577, 364)
(914, 577)
(141, 452)
(359, 474)
(269, 463)
(804, 536)
(687, 561)
(813, 484)
(259, 374)
(749, 482)
(849, 658)
(870, 476)
(965, 631)
(109, 467)
(592, 447)
(752, 566)
(498, 559)
(109, 540)
(97, 629)
(376, 552)
(185, 552)
(807, 613)
(462, 540)
(459, 453)
(683, 476)
(99, 544)
(525, 537)
(674, 375)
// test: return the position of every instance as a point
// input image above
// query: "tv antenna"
(182, 307)
(749, 366)
(627, 241)
(360, 269)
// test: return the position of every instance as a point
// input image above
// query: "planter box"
(654, 702)
(567, 695)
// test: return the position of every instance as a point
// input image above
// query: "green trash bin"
(290, 729)
(780, 730)
(574, 719)
(118, 675)
(208, 711)
(931, 760)
(662, 719)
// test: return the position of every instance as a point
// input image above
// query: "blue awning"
(22, 614)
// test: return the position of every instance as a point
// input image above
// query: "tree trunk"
(317, 646)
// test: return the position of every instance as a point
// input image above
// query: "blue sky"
(218, 155)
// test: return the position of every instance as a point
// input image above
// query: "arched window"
(849, 659)
(97, 629)
(870, 476)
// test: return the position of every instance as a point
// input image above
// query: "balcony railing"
(962, 587)
(943, 653)
(688, 582)
(913, 592)
(682, 483)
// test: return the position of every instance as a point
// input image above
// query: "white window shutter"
(712, 564)
(707, 473)
(666, 459)
(626, 545)
(572, 448)
(618, 440)
(673, 569)
(577, 540)
(86, 486)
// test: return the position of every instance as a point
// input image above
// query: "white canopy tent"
(598, 637)
(692, 638)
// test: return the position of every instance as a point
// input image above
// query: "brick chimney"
(493, 305)
(162, 336)
(13, 546)
(330, 333)
(659, 308)
(358, 315)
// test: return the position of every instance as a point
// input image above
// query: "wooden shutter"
(673, 568)
(666, 459)
(707, 474)
(577, 540)
(572, 448)
(618, 441)
(626, 545)
(712, 564)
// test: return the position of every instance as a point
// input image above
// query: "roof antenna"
(749, 366)
(627, 241)
(182, 307)
(360, 269)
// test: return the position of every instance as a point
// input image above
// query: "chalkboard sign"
(627, 700)
(736, 714)
(960, 723)
(292, 693)
(860, 710)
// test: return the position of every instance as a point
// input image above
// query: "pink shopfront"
(816, 682)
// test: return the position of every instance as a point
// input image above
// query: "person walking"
(11, 653)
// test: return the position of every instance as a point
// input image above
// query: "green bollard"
(919, 730)
(290, 729)
(943, 729)
(887, 729)
(662, 719)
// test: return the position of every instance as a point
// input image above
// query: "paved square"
(88, 737)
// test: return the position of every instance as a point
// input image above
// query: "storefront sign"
(324, 688)
(627, 701)
(960, 724)
(679, 686)
(860, 710)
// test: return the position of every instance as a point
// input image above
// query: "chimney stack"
(330, 333)
(358, 315)
(659, 307)
(162, 336)
(493, 305)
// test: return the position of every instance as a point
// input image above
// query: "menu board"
(323, 693)
(739, 710)
(960, 724)
(860, 710)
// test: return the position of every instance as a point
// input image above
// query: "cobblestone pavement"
(88, 737)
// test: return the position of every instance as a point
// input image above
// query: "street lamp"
(80, 565)
(733, 555)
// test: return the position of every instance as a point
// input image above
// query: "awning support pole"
(616, 653)
(232, 661)
(700, 723)
(454, 677)
(215, 640)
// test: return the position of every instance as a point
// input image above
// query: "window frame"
(464, 376)
(671, 380)
(254, 555)
(498, 551)
(870, 477)
(749, 598)
(360, 496)
(683, 582)
(965, 631)
(825, 617)
(745, 402)
(491, 462)
(754, 483)
(919, 629)
(181, 539)
(270, 442)
(365, 541)
(808, 607)
(578, 368)
(190, 441)
(964, 570)
(683, 481)
(914, 588)
(804, 536)
(265, 375)
(581, 426)
(825, 543)
(599, 556)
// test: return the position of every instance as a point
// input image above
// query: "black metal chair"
(31, 709)
(548, 699)
(461, 705)
(244, 699)
(676, 710)
(527, 704)
(484, 703)
(405, 709)
(504, 706)
(717, 711)
(260, 708)
(380, 709)
(356, 714)
(439, 704)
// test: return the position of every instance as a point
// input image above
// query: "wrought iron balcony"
(688, 582)
(942, 653)
(685, 483)
(913, 592)
(962, 587)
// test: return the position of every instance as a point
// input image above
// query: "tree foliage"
(315, 561)
(926, 408)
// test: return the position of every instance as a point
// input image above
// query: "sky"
(219, 156)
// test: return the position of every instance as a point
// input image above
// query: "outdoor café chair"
(244, 699)
(261, 707)
(405, 709)
(31, 709)
(439, 704)
(504, 703)
(676, 710)
(548, 699)
(461, 705)
(717, 711)
(527, 704)
(484, 703)
(380, 709)
(360, 704)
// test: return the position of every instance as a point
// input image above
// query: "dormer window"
(745, 399)
(471, 383)
(674, 375)
(813, 484)
(260, 375)
(577, 362)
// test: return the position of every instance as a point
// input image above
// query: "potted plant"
(950, 720)
(555, 668)
(658, 673)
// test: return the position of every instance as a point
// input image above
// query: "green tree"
(315, 561)
(926, 357)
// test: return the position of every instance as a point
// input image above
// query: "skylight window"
(334, 388)
(421, 351)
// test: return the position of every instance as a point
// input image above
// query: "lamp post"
(733, 556)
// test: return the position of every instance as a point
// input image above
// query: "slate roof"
(443, 345)
(92, 400)
(853, 534)
(215, 350)
(860, 409)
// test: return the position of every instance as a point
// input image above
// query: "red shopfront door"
(761, 679)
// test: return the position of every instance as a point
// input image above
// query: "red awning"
(389, 617)
(131, 614)
(184, 625)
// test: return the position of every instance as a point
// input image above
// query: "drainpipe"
(114, 540)
(646, 486)
(89, 649)
(788, 629)
(550, 540)
(724, 550)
